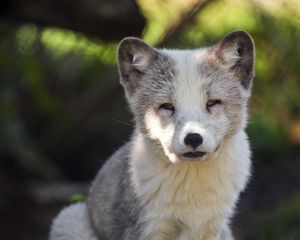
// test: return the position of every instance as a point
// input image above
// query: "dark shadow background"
(62, 110)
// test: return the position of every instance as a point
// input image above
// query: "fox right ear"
(237, 52)
(134, 58)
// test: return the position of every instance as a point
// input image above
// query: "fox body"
(180, 175)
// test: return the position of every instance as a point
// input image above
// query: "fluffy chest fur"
(189, 200)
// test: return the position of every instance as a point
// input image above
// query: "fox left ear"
(236, 51)
(134, 58)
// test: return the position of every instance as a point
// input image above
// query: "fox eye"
(167, 106)
(212, 102)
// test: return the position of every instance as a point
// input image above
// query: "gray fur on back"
(114, 209)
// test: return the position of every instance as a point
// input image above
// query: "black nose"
(193, 140)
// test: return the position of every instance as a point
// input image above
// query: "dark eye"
(212, 102)
(167, 106)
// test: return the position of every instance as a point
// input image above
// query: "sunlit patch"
(294, 132)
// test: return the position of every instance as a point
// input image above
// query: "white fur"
(72, 223)
(195, 198)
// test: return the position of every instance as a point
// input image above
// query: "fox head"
(189, 102)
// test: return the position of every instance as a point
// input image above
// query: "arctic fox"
(180, 175)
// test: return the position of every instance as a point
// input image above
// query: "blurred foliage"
(77, 198)
(51, 99)
(54, 81)
(51, 76)
(163, 15)
(279, 221)
(285, 221)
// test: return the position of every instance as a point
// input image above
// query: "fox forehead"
(190, 80)
(187, 76)
(138, 61)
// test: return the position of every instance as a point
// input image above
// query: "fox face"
(188, 102)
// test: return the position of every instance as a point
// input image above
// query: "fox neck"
(148, 160)
(187, 192)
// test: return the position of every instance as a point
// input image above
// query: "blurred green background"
(62, 111)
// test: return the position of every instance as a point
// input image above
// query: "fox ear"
(236, 51)
(134, 58)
